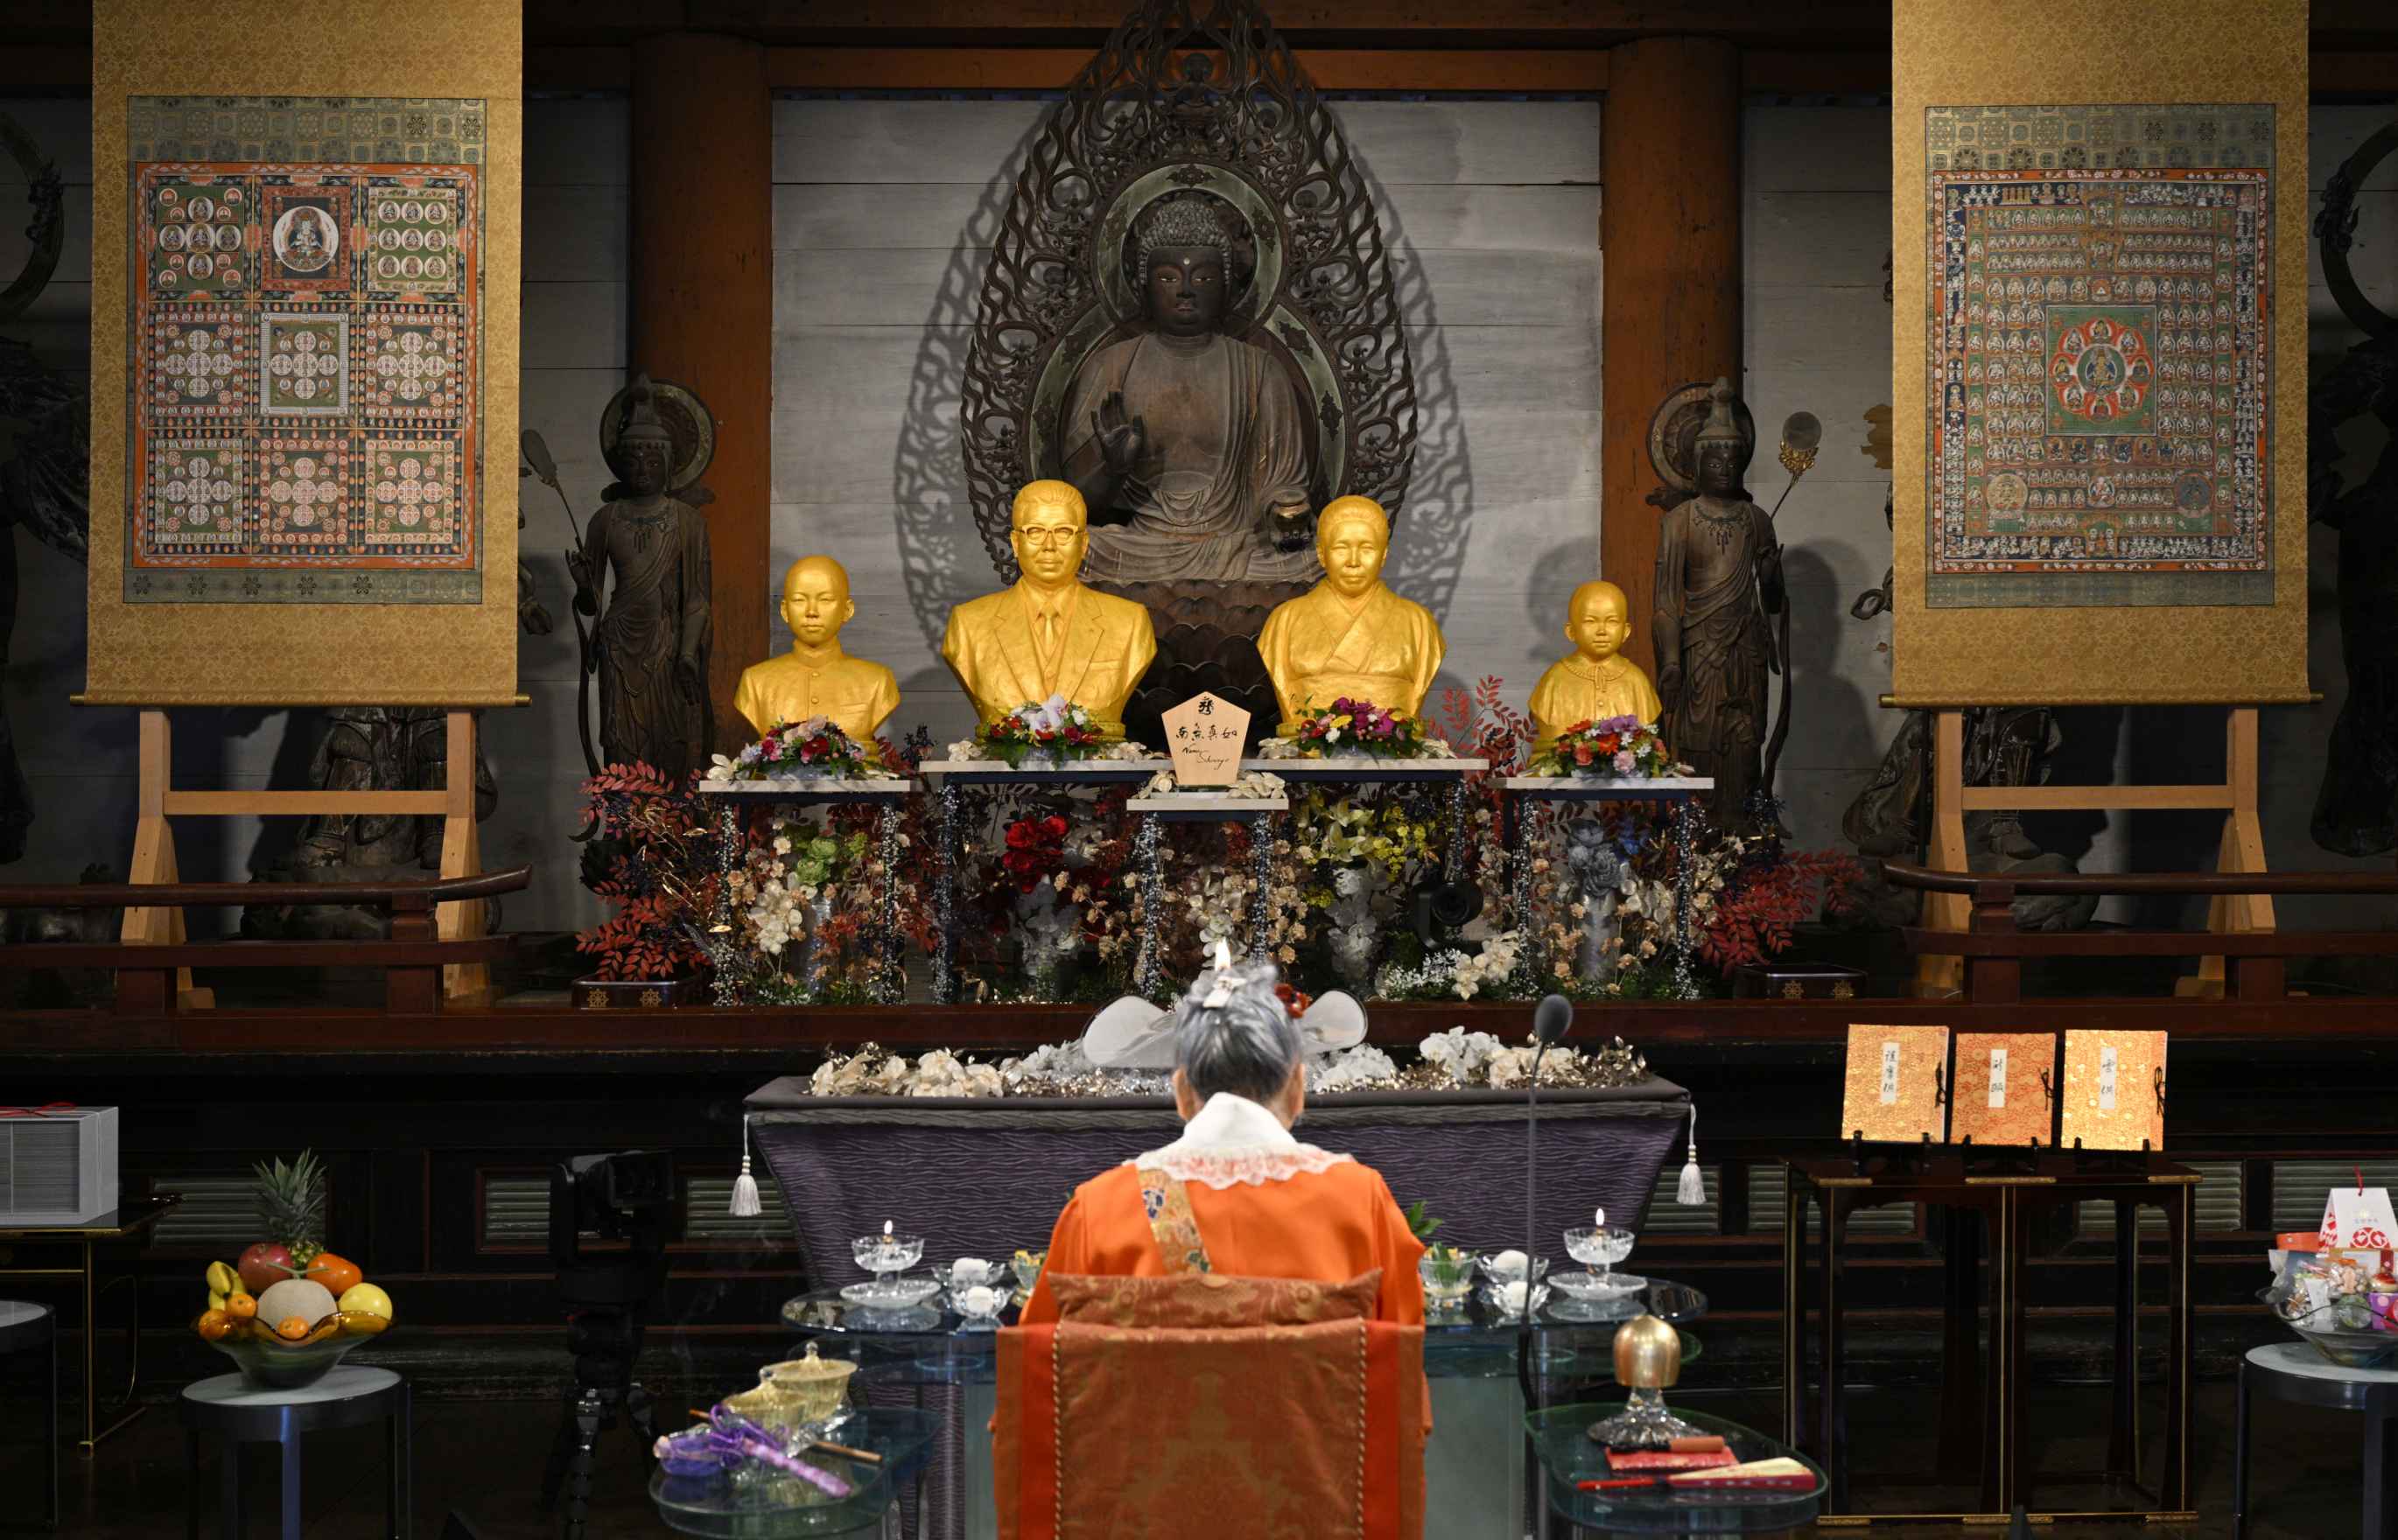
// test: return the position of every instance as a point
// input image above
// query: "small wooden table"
(132, 1219)
(2007, 1192)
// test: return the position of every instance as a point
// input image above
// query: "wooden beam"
(702, 303)
(1670, 236)
(936, 68)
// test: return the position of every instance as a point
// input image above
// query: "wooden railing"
(1993, 949)
(411, 954)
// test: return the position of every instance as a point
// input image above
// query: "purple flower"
(1617, 724)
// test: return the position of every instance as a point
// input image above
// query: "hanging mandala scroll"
(1190, 99)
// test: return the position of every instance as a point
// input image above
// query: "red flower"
(1582, 754)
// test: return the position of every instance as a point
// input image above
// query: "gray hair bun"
(1232, 1034)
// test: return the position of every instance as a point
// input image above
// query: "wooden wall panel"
(882, 214)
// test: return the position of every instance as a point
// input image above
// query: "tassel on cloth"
(1692, 1189)
(744, 1187)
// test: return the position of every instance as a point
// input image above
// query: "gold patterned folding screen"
(2099, 233)
(305, 320)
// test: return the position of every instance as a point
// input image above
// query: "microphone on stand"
(1552, 1019)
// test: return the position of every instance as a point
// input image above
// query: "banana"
(222, 1280)
(216, 1300)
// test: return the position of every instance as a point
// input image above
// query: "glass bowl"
(2346, 1346)
(887, 1254)
(1591, 1288)
(980, 1305)
(968, 1271)
(1447, 1278)
(887, 1292)
(1501, 1267)
(271, 1364)
(1027, 1266)
(1495, 1300)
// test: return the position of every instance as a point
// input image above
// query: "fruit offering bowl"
(273, 1364)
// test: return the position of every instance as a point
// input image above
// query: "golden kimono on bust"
(1048, 634)
(1350, 635)
(1595, 683)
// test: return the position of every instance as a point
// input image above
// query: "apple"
(265, 1265)
(367, 1300)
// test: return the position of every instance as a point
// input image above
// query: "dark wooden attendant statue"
(1719, 582)
(648, 647)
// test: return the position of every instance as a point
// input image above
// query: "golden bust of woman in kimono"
(1350, 635)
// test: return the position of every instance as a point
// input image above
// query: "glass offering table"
(1562, 1442)
(770, 1505)
(1475, 1467)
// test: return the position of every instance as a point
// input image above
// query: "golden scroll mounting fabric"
(307, 106)
(2154, 571)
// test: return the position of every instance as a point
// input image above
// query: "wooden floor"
(483, 1458)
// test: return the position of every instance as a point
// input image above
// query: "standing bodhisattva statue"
(648, 647)
(1719, 579)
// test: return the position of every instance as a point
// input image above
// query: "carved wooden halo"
(1189, 95)
(2336, 233)
(688, 425)
(1673, 434)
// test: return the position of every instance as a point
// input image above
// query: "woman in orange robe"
(1238, 1194)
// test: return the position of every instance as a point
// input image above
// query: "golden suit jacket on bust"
(1106, 648)
(1317, 652)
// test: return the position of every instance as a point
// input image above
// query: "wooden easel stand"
(158, 802)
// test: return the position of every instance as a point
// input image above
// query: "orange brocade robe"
(1328, 1226)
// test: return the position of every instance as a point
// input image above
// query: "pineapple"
(291, 1205)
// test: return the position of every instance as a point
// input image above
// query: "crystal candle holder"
(884, 1254)
(1448, 1276)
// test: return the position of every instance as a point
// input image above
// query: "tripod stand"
(629, 1198)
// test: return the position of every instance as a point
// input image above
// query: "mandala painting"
(305, 373)
(2098, 398)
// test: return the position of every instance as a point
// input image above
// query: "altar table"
(984, 1177)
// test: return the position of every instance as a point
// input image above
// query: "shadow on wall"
(941, 557)
(1429, 536)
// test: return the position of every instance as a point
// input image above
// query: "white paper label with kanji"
(1997, 1077)
(2357, 1219)
(2106, 1080)
(1890, 1075)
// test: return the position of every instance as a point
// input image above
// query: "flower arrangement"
(1056, 729)
(808, 750)
(1035, 848)
(1620, 746)
(1455, 1060)
(651, 855)
(1355, 729)
(1452, 972)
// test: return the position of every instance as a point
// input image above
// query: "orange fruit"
(241, 1307)
(337, 1274)
(291, 1329)
(213, 1325)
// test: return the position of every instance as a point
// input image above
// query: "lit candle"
(1599, 1217)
